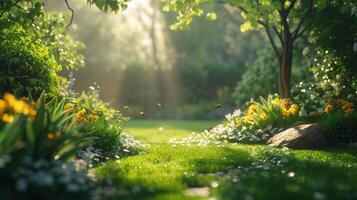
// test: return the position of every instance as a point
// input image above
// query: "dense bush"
(26, 65)
(339, 127)
(35, 49)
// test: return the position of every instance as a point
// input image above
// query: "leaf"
(212, 16)
(247, 26)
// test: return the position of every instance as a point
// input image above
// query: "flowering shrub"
(95, 119)
(339, 121)
(36, 141)
(26, 64)
(339, 105)
(257, 124)
(271, 111)
(88, 107)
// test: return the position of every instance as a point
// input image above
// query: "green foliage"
(50, 28)
(339, 127)
(259, 79)
(338, 33)
(262, 75)
(49, 135)
(271, 111)
(26, 64)
(37, 48)
(254, 12)
(333, 77)
(107, 134)
(111, 142)
(90, 103)
(110, 5)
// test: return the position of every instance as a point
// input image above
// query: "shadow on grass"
(324, 174)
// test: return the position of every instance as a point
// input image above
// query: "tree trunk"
(285, 63)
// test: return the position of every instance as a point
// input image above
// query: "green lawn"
(234, 171)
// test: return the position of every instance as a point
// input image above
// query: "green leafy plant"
(26, 65)
(339, 127)
(271, 111)
(50, 134)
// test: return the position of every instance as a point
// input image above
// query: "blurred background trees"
(201, 72)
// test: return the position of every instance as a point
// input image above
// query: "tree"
(284, 21)
(24, 11)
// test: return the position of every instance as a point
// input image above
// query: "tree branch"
(278, 34)
(307, 27)
(302, 21)
(272, 42)
(72, 11)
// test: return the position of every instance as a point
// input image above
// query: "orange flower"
(7, 118)
(51, 136)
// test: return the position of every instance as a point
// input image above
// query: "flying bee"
(217, 106)
(142, 114)
(126, 108)
(158, 105)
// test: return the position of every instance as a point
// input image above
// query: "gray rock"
(306, 136)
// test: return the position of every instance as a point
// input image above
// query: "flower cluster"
(270, 111)
(10, 106)
(88, 107)
(257, 124)
(81, 115)
(287, 109)
(339, 104)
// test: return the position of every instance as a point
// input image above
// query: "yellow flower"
(80, 119)
(32, 112)
(276, 101)
(81, 112)
(19, 106)
(92, 117)
(239, 121)
(285, 112)
(285, 103)
(263, 116)
(80, 116)
(9, 98)
(328, 108)
(251, 109)
(2, 106)
(7, 118)
(293, 109)
(68, 106)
